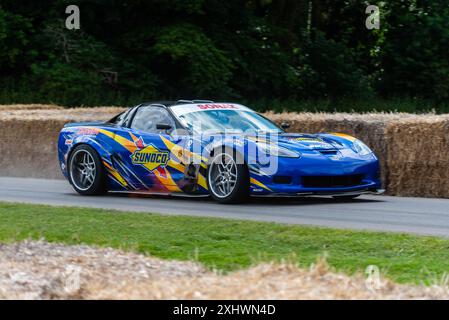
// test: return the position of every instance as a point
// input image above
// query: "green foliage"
(329, 69)
(282, 51)
(262, 67)
(194, 64)
(15, 33)
(182, 6)
(64, 80)
(415, 52)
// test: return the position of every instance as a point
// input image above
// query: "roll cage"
(125, 118)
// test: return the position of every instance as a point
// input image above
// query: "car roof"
(164, 104)
(174, 103)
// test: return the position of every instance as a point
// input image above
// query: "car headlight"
(361, 148)
(277, 151)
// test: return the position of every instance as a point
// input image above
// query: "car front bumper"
(299, 171)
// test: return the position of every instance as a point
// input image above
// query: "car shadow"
(308, 200)
(269, 201)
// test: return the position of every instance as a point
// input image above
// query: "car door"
(149, 156)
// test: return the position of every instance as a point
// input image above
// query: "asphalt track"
(383, 213)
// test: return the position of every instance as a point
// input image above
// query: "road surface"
(383, 213)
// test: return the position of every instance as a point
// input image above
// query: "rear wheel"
(228, 178)
(86, 172)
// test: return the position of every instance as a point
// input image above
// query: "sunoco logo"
(150, 157)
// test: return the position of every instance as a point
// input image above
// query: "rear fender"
(69, 139)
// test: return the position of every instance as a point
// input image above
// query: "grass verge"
(230, 244)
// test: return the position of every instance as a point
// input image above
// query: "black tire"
(98, 184)
(240, 190)
(346, 198)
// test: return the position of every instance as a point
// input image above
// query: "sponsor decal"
(180, 110)
(150, 157)
(307, 139)
(216, 106)
(87, 131)
(69, 142)
(311, 142)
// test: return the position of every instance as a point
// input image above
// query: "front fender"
(238, 144)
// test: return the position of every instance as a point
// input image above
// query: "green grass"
(230, 244)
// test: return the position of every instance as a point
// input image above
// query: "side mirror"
(163, 126)
(285, 125)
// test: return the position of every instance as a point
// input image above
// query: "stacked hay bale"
(10, 107)
(418, 156)
(28, 138)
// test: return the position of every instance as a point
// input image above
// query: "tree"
(415, 58)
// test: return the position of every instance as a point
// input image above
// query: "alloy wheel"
(83, 170)
(223, 175)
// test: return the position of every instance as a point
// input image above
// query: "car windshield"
(227, 121)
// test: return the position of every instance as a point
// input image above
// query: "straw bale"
(40, 270)
(418, 157)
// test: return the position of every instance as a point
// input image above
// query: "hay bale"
(29, 148)
(28, 107)
(28, 138)
(107, 273)
(68, 115)
(418, 157)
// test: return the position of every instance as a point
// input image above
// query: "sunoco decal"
(150, 158)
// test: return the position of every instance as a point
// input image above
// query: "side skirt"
(167, 194)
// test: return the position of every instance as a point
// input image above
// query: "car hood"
(300, 141)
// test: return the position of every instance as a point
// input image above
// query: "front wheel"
(86, 172)
(228, 178)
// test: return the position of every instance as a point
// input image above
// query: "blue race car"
(201, 148)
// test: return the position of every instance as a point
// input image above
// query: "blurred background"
(273, 55)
